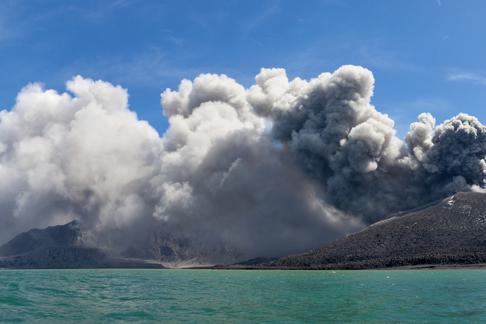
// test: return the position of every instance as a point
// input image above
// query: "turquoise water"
(242, 296)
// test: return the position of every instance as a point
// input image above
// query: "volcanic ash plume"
(280, 167)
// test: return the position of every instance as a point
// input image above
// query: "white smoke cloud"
(283, 166)
(64, 156)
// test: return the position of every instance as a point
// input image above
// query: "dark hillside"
(452, 231)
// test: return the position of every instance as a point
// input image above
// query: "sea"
(242, 296)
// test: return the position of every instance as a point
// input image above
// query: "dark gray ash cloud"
(282, 166)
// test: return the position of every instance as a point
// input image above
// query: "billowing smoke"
(280, 167)
(339, 138)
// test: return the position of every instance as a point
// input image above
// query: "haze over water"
(242, 296)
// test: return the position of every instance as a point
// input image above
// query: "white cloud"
(467, 76)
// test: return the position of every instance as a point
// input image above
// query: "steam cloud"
(280, 167)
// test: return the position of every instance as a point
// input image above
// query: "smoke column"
(280, 167)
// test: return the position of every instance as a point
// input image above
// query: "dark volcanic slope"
(53, 236)
(60, 247)
(452, 231)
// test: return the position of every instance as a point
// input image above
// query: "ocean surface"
(93, 296)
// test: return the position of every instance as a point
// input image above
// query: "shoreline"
(453, 266)
(405, 267)
(339, 267)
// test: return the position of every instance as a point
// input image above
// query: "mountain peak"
(60, 246)
(59, 235)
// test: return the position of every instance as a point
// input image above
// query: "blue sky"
(426, 55)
